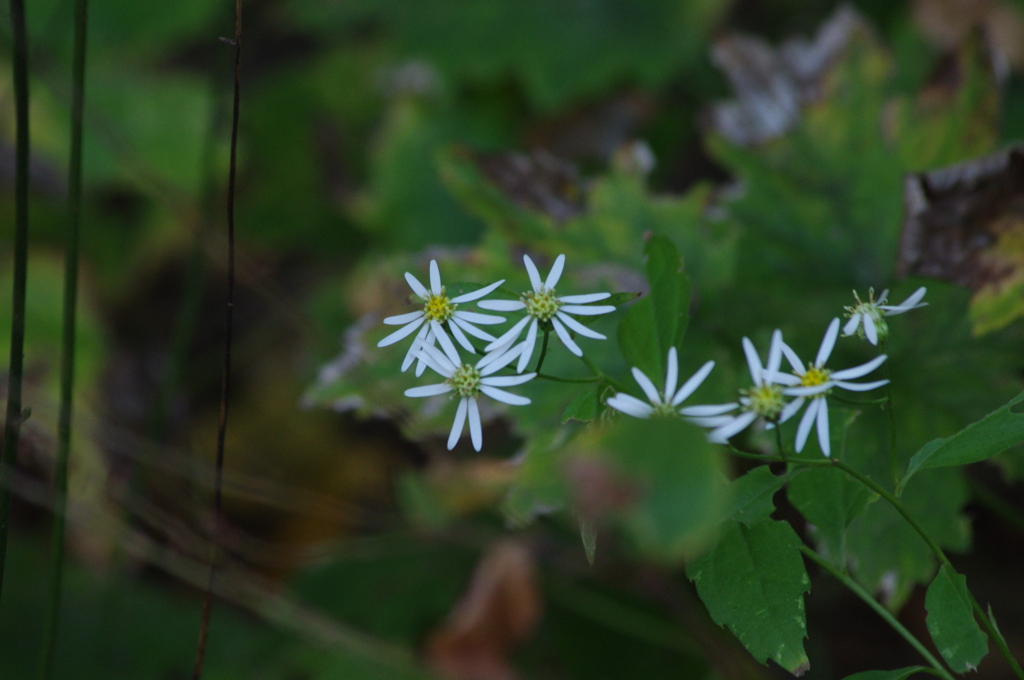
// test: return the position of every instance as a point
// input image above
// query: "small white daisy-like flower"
(467, 382)
(764, 399)
(543, 305)
(866, 317)
(437, 310)
(814, 382)
(664, 403)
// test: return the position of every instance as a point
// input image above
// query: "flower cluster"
(774, 396)
(440, 315)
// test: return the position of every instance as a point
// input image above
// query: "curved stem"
(543, 352)
(14, 417)
(601, 375)
(934, 547)
(878, 609)
(555, 378)
(67, 373)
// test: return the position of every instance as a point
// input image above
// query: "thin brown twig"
(204, 627)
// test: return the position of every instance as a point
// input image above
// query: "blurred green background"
(768, 139)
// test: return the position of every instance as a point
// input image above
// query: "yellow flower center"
(438, 307)
(465, 381)
(814, 376)
(765, 400)
(664, 411)
(541, 304)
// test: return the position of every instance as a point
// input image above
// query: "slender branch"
(555, 378)
(600, 374)
(878, 609)
(12, 425)
(204, 627)
(67, 362)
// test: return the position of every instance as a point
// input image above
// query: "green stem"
(893, 456)
(67, 374)
(598, 373)
(858, 402)
(778, 441)
(934, 547)
(12, 425)
(543, 352)
(543, 376)
(878, 609)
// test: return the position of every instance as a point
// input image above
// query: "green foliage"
(898, 674)
(979, 441)
(657, 322)
(752, 495)
(830, 500)
(951, 621)
(753, 581)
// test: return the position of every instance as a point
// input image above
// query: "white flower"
(542, 305)
(666, 403)
(438, 309)
(764, 399)
(814, 382)
(866, 317)
(467, 382)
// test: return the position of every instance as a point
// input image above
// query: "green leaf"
(979, 441)
(589, 535)
(830, 500)
(951, 621)
(677, 483)
(753, 581)
(752, 495)
(659, 321)
(898, 674)
(584, 407)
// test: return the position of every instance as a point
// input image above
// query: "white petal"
(475, 317)
(476, 433)
(803, 431)
(416, 286)
(691, 385)
(860, 387)
(578, 327)
(511, 334)
(503, 396)
(563, 335)
(737, 425)
(753, 361)
(414, 348)
(793, 359)
(446, 344)
(555, 273)
(790, 409)
(508, 380)
(477, 294)
(428, 390)
(528, 345)
(823, 433)
(882, 297)
(646, 385)
(808, 391)
(401, 319)
(402, 332)
(709, 421)
(471, 329)
(502, 305)
(870, 330)
(584, 299)
(908, 304)
(531, 270)
(498, 359)
(775, 352)
(421, 367)
(780, 378)
(587, 310)
(671, 374)
(708, 409)
(858, 371)
(460, 337)
(460, 420)
(435, 278)
(851, 326)
(827, 343)
(630, 406)
(434, 358)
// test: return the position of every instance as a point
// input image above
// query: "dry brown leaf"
(498, 611)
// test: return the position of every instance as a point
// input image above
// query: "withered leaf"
(536, 181)
(499, 610)
(965, 224)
